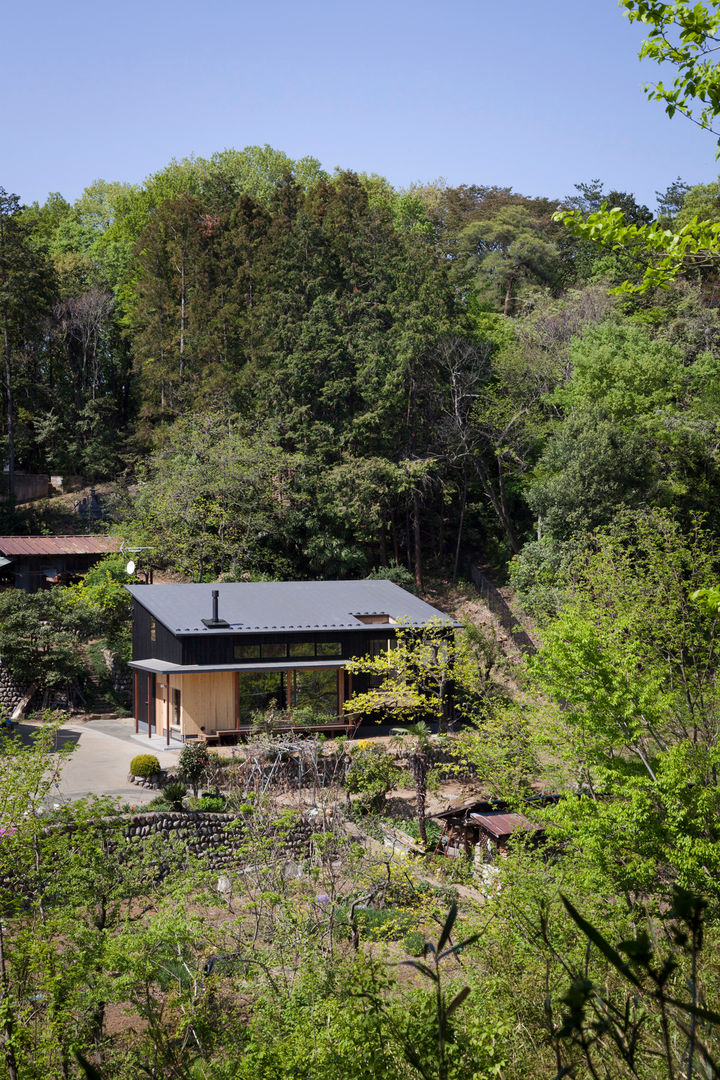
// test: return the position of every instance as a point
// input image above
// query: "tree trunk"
(508, 295)
(458, 545)
(420, 768)
(395, 542)
(416, 543)
(382, 544)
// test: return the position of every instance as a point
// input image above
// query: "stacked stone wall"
(215, 837)
(10, 693)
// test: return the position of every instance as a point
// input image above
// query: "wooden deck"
(231, 736)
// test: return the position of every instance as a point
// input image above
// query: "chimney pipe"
(215, 595)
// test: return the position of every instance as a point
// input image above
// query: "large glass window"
(273, 651)
(317, 690)
(247, 652)
(329, 648)
(302, 648)
(259, 690)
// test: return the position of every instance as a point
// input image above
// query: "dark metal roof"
(15, 546)
(289, 606)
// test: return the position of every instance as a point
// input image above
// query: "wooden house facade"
(207, 658)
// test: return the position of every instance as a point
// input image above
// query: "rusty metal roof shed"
(501, 825)
(41, 546)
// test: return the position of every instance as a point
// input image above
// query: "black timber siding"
(220, 648)
(165, 647)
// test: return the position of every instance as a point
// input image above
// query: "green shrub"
(397, 574)
(411, 827)
(211, 804)
(371, 775)
(174, 793)
(144, 765)
(414, 943)
(193, 764)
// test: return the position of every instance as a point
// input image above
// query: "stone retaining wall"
(215, 837)
(10, 693)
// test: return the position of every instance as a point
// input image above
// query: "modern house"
(207, 657)
(37, 562)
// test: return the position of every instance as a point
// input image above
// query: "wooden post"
(236, 681)
(167, 710)
(288, 689)
(150, 702)
(137, 701)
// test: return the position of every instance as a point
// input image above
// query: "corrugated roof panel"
(501, 825)
(15, 546)
(291, 606)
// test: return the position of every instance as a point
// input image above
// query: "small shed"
(483, 827)
(38, 562)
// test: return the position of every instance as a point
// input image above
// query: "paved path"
(100, 760)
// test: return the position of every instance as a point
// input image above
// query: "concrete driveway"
(100, 760)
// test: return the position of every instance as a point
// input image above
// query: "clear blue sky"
(529, 94)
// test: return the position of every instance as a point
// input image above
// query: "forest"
(286, 373)
(273, 372)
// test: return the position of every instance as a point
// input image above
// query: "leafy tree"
(24, 288)
(371, 774)
(637, 695)
(501, 252)
(193, 764)
(40, 636)
(684, 36)
(414, 680)
(591, 469)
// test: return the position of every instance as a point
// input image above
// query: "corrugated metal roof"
(502, 825)
(481, 806)
(251, 607)
(15, 546)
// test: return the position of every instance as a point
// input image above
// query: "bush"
(173, 794)
(371, 775)
(144, 765)
(414, 943)
(397, 574)
(193, 764)
(211, 804)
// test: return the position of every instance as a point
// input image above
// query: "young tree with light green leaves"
(685, 37)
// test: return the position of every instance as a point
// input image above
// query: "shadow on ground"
(26, 735)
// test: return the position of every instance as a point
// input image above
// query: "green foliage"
(371, 774)
(210, 804)
(536, 573)
(397, 574)
(40, 636)
(414, 943)
(173, 794)
(603, 1028)
(144, 765)
(102, 599)
(193, 764)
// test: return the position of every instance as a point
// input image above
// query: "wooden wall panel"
(206, 701)
(161, 692)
